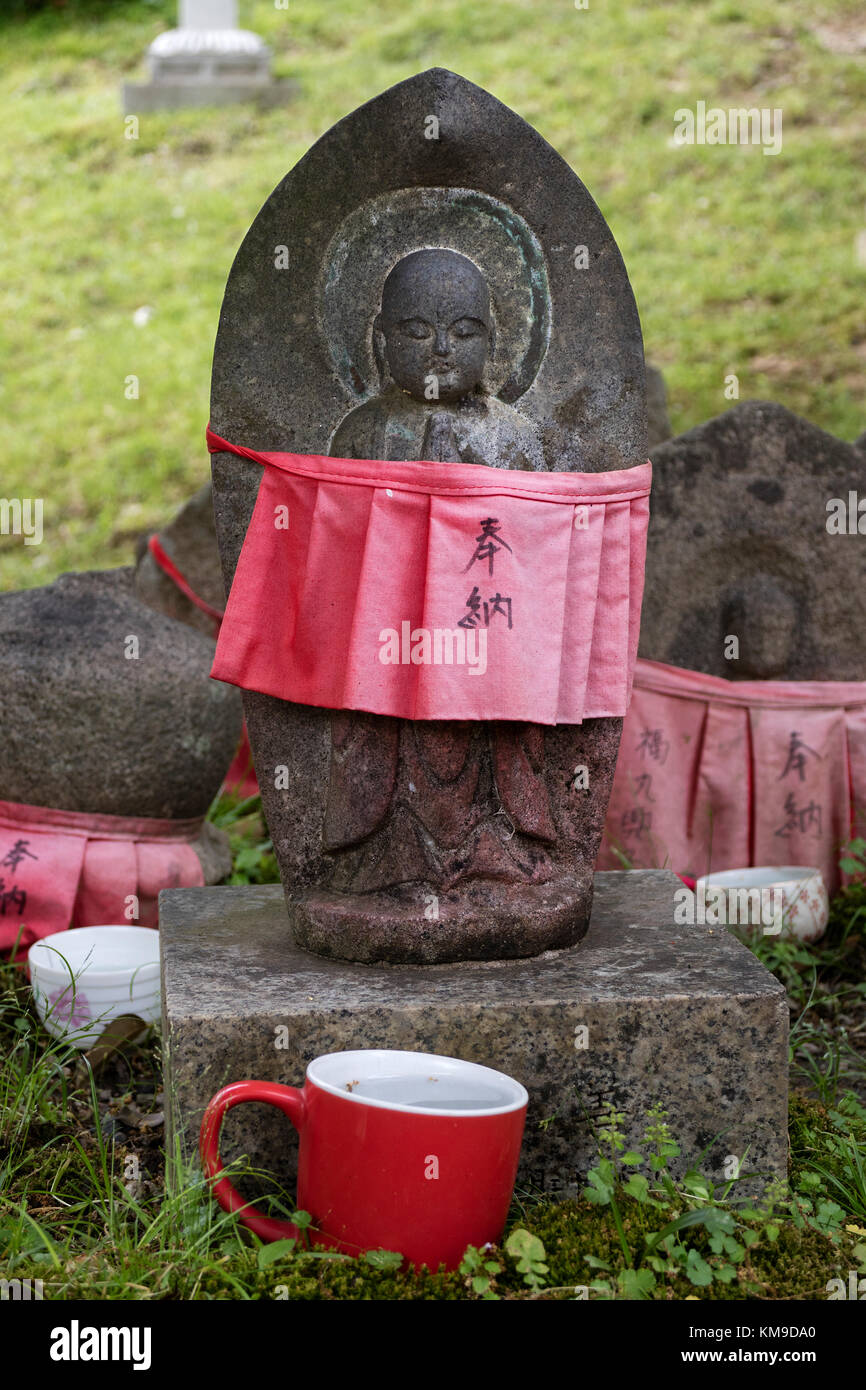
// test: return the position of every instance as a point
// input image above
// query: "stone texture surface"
(738, 544)
(83, 728)
(190, 542)
(214, 852)
(587, 395)
(685, 1016)
(507, 918)
(298, 365)
(658, 422)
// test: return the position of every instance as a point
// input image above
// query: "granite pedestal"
(681, 1015)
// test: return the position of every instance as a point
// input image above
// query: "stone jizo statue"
(428, 295)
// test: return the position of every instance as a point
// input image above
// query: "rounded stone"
(740, 545)
(106, 705)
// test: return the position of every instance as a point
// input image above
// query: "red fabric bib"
(68, 868)
(438, 590)
(717, 774)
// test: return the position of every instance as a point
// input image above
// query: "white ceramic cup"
(85, 977)
(788, 900)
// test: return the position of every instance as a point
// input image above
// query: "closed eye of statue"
(467, 328)
(416, 328)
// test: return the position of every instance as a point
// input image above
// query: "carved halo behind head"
(497, 241)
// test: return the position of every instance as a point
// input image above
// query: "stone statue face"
(436, 325)
(769, 617)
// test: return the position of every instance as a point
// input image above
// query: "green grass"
(84, 1205)
(74, 1214)
(740, 262)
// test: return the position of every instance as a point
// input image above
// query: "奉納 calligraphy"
(488, 543)
(799, 819)
(10, 897)
(796, 762)
(19, 851)
(481, 611)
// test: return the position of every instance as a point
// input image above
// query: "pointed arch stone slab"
(281, 383)
(274, 385)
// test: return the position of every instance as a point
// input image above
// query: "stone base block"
(640, 1012)
(162, 96)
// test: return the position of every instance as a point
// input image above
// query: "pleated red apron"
(717, 774)
(68, 868)
(438, 590)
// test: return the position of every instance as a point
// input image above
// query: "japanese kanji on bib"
(62, 869)
(438, 590)
(715, 774)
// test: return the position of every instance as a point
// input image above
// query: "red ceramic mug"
(403, 1151)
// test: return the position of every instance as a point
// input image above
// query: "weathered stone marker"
(381, 226)
(208, 14)
(745, 542)
(742, 745)
(189, 542)
(658, 423)
(107, 705)
(110, 728)
(207, 61)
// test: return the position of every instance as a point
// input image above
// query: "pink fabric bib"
(67, 868)
(438, 590)
(717, 774)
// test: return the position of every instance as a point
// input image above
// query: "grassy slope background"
(740, 262)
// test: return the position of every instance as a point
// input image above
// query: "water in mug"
(432, 1092)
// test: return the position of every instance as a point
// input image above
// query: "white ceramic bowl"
(796, 891)
(85, 977)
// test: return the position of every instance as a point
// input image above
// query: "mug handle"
(285, 1098)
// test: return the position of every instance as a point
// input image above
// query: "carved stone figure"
(408, 298)
(748, 576)
(433, 336)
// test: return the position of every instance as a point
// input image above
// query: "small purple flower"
(69, 1006)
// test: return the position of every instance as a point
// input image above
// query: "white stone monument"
(207, 61)
(208, 14)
